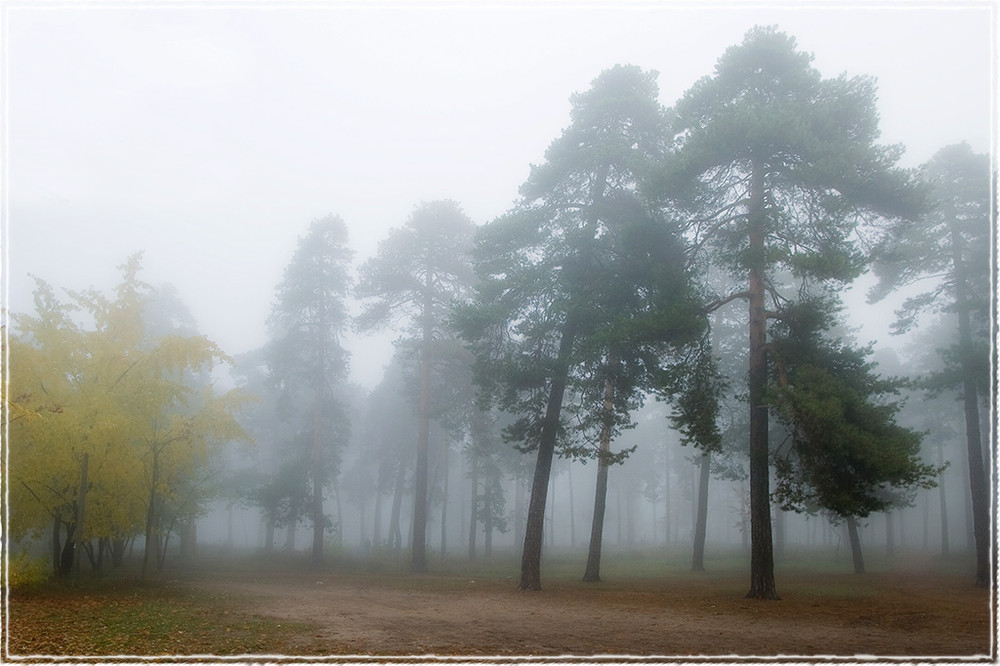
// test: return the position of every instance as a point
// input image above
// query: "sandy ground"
(884, 615)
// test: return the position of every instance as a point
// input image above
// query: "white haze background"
(209, 135)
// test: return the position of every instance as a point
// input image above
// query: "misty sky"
(211, 135)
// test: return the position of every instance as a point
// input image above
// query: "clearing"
(280, 610)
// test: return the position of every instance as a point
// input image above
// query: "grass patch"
(131, 618)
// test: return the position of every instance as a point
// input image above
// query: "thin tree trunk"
(890, 537)
(293, 522)
(592, 573)
(269, 521)
(151, 513)
(317, 489)
(667, 526)
(80, 501)
(552, 511)
(701, 519)
(855, 539)
(338, 534)
(943, 501)
(519, 509)
(473, 518)
(488, 522)
(395, 534)
(761, 547)
(377, 519)
(531, 556)
(572, 521)
(444, 500)
(56, 548)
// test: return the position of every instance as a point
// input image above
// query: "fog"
(209, 136)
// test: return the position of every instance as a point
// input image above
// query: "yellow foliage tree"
(139, 409)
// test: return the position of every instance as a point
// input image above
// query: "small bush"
(23, 570)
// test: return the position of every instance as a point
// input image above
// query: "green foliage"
(420, 269)
(845, 453)
(950, 240)
(305, 385)
(583, 255)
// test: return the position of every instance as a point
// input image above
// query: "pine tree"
(307, 363)
(777, 167)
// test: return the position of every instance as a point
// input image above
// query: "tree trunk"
(338, 534)
(943, 501)
(552, 511)
(67, 555)
(418, 562)
(531, 557)
(293, 522)
(761, 547)
(118, 546)
(268, 531)
(103, 546)
(56, 549)
(319, 521)
(592, 573)
(444, 500)
(80, 502)
(572, 506)
(667, 526)
(973, 435)
(890, 537)
(473, 519)
(395, 534)
(701, 518)
(488, 522)
(151, 544)
(855, 539)
(377, 519)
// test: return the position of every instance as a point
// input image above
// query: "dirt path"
(880, 615)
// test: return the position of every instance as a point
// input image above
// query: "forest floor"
(911, 610)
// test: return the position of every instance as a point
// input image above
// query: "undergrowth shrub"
(24, 570)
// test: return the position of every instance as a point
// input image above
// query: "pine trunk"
(855, 539)
(418, 562)
(761, 547)
(592, 573)
(317, 487)
(943, 502)
(973, 434)
(474, 475)
(701, 517)
(531, 556)
(395, 533)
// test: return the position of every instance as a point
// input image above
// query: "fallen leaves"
(136, 620)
